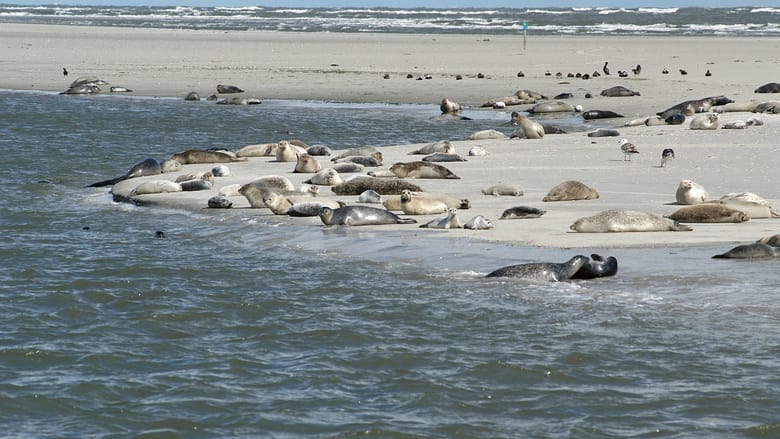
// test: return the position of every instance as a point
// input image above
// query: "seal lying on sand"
(421, 169)
(382, 186)
(752, 204)
(571, 190)
(597, 267)
(617, 91)
(450, 221)
(690, 192)
(772, 87)
(756, 250)
(198, 156)
(522, 212)
(626, 221)
(543, 271)
(444, 146)
(360, 216)
(146, 167)
(708, 213)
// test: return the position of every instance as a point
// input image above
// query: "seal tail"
(407, 221)
(109, 182)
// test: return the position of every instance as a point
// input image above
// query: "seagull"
(64, 71)
(628, 148)
(667, 156)
(605, 69)
(683, 72)
(637, 70)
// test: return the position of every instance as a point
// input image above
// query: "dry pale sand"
(350, 67)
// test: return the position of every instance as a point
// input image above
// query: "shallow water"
(250, 327)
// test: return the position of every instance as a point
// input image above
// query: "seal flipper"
(406, 221)
(109, 182)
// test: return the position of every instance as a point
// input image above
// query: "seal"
(618, 91)
(450, 221)
(522, 212)
(597, 267)
(708, 121)
(369, 196)
(360, 216)
(530, 129)
(277, 203)
(486, 135)
(735, 125)
(479, 222)
(599, 114)
(416, 205)
(394, 202)
(274, 182)
(319, 150)
(444, 146)
(156, 187)
(502, 189)
(192, 96)
(421, 169)
(756, 250)
(626, 221)
(543, 271)
(571, 190)
(312, 208)
(443, 157)
(258, 150)
(769, 107)
(383, 186)
(326, 177)
(360, 160)
(286, 152)
(205, 175)
(199, 156)
(604, 132)
(477, 150)
(773, 240)
(220, 171)
(752, 204)
(306, 164)
(551, 107)
(688, 108)
(347, 167)
(170, 165)
(628, 149)
(708, 213)
(667, 155)
(772, 87)
(690, 192)
(367, 151)
(228, 89)
(219, 202)
(145, 167)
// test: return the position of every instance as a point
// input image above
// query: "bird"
(64, 71)
(665, 71)
(605, 68)
(637, 70)
(628, 149)
(622, 74)
(683, 72)
(667, 155)
(708, 73)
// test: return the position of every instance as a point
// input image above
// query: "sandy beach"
(350, 68)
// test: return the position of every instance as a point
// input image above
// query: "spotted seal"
(543, 271)
(550, 107)
(752, 204)
(198, 156)
(597, 267)
(600, 114)
(443, 157)
(420, 169)
(773, 240)
(156, 187)
(312, 208)
(325, 177)
(522, 212)
(618, 91)
(360, 216)
(690, 192)
(307, 164)
(393, 202)
(228, 89)
(772, 87)
(143, 168)
(203, 175)
(444, 146)
(258, 150)
(756, 250)
(571, 190)
(382, 186)
(450, 221)
(486, 135)
(708, 213)
(368, 151)
(707, 121)
(416, 205)
(478, 222)
(530, 129)
(219, 202)
(626, 221)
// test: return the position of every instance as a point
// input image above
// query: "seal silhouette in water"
(145, 167)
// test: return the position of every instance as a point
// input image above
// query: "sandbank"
(350, 68)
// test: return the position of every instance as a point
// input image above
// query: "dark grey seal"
(228, 89)
(772, 87)
(689, 108)
(599, 114)
(219, 202)
(757, 250)
(604, 132)
(360, 216)
(522, 212)
(597, 267)
(146, 167)
(618, 91)
(543, 271)
(192, 96)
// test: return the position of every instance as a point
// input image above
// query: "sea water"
(250, 327)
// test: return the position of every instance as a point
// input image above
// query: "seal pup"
(450, 221)
(477, 150)
(307, 164)
(228, 89)
(444, 146)
(143, 168)
(368, 151)
(369, 196)
(543, 271)
(479, 222)
(286, 152)
(449, 107)
(422, 169)
(156, 187)
(325, 177)
(571, 190)
(383, 186)
(274, 182)
(597, 267)
(772, 87)
(502, 189)
(708, 121)
(752, 204)
(360, 216)
(599, 114)
(756, 250)
(708, 213)
(219, 202)
(258, 150)
(626, 221)
(531, 129)
(628, 149)
(415, 205)
(690, 192)
(486, 135)
(347, 167)
(277, 203)
(604, 132)
(667, 155)
(170, 165)
(522, 212)
(443, 157)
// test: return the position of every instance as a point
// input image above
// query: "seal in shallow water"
(360, 216)
(756, 250)
(626, 221)
(522, 212)
(531, 129)
(597, 267)
(543, 271)
(146, 167)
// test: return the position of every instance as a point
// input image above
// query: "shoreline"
(350, 68)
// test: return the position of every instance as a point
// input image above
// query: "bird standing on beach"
(605, 68)
(667, 155)
(637, 70)
(628, 149)
(64, 71)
